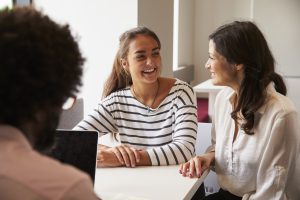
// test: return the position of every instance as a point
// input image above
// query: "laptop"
(77, 148)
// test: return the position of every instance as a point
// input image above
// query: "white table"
(145, 183)
(212, 90)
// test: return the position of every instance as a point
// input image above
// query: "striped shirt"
(167, 133)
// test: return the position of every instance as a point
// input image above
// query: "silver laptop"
(77, 148)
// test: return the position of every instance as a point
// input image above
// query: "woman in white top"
(153, 117)
(255, 134)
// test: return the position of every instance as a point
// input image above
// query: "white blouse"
(258, 166)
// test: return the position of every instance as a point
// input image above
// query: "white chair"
(202, 142)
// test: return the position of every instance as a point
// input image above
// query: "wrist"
(144, 158)
(211, 156)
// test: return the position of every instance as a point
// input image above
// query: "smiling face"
(222, 72)
(143, 60)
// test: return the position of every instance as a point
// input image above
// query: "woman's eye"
(157, 53)
(140, 57)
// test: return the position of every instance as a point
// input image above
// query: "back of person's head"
(119, 78)
(241, 42)
(40, 64)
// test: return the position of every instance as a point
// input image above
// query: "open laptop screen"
(77, 148)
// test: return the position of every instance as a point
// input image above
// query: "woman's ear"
(239, 67)
(125, 65)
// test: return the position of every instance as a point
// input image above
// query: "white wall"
(280, 22)
(98, 24)
(5, 3)
(158, 16)
(186, 32)
(210, 14)
(293, 91)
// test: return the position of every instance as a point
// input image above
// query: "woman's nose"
(150, 61)
(207, 65)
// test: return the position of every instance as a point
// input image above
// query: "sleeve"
(100, 119)
(182, 147)
(278, 159)
(82, 190)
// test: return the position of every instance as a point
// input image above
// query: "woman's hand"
(197, 165)
(118, 156)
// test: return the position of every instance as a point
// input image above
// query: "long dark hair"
(119, 78)
(241, 42)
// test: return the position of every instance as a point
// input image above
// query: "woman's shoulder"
(118, 95)
(166, 81)
(177, 84)
(279, 102)
(225, 93)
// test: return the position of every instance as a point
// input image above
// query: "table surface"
(145, 183)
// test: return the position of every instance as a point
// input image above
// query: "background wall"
(186, 27)
(5, 3)
(98, 25)
(158, 16)
(278, 20)
(210, 14)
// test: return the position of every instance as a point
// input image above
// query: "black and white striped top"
(168, 133)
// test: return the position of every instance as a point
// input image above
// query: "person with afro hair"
(40, 68)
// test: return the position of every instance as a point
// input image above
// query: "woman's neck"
(146, 93)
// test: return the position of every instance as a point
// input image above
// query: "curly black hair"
(40, 64)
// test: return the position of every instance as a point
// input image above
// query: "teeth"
(149, 70)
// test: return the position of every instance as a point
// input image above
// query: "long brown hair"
(119, 78)
(241, 42)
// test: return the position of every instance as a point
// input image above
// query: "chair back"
(70, 118)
